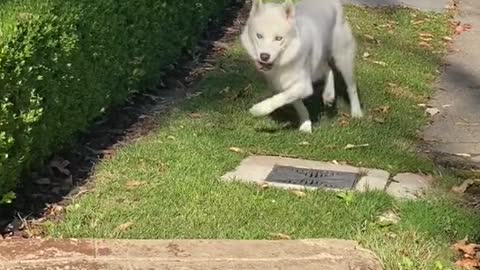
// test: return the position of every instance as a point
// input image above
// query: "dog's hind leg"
(304, 116)
(344, 57)
(328, 95)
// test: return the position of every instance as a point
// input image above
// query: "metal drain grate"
(312, 177)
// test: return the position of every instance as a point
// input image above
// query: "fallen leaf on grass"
(236, 150)
(387, 219)
(470, 255)
(263, 185)
(353, 146)
(432, 111)
(382, 109)
(365, 55)
(468, 263)
(466, 249)
(195, 115)
(134, 184)
(418, 22)
(299, 193)
(446, 38)
(280, 236)
(425, 45)
(304, 143)
(124, 227)
(54, 210)
(371, 38)
(426, 39)
(171, 138)
(379, 120)
(426, 35)
(381, 63)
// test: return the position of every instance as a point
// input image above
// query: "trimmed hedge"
(62, 62)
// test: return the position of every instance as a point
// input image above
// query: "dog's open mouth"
(264, 66)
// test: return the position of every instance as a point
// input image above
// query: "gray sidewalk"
(456, 130)
(426, 5)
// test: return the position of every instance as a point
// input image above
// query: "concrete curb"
(74, 254)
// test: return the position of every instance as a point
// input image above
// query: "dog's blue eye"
(259, 36)
(278, 38)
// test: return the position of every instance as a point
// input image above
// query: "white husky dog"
(292, 46)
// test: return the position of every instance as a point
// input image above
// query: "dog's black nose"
(264, 57)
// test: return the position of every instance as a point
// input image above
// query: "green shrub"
(62, 62)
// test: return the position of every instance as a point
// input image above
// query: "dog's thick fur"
(292, 45)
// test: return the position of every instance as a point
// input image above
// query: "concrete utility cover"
(426, 5)
(258, 169)
(185, 254)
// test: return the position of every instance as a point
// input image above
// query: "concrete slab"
(425, 5)
(322, 254)
(255, 169)
(457, 128)
(409, 186)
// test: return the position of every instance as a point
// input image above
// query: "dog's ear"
(289, 8)
(257, 5)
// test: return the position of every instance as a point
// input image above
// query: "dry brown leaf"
(418, 22)
(468, 263)
(353, 146)
(426, 35)
(371, 38)
(280, 236)
(344, 120)
(379, 120)
(447, 38)
(263, 185)
(466, 248)
(426, 39)
(54, 210)
(134, 184)
(299, 193)
(195, 115)
(382, 109)
(460, 28)
(236, 150)
(425, 45)
(381, 63)
(124, 227)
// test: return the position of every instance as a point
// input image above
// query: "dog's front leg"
(304, 116)
(298, 91)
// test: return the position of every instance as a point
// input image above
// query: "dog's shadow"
(288, 117)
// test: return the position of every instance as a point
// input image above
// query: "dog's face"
(271, 28)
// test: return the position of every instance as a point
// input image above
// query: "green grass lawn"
(167, 185)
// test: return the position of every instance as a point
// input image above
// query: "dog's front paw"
(328, 97)
(357, 113)
(260, 110)
(306, 127)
